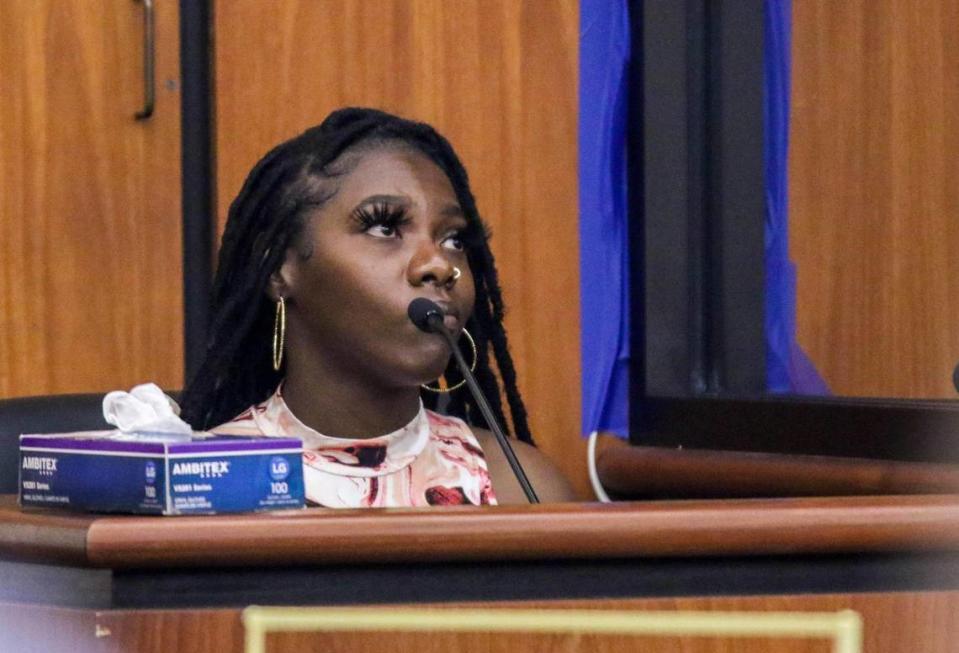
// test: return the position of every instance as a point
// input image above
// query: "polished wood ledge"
(747, 527)
(657, 472)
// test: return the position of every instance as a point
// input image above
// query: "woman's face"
(392, 232)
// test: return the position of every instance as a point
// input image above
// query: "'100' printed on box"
(106, 472)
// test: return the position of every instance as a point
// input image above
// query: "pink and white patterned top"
(433, 460)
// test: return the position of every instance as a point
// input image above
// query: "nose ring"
(457, 273)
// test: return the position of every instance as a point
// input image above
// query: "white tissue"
(145, 409)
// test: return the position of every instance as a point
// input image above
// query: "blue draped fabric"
(604, 262)
(787, 368)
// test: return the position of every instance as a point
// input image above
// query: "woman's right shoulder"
(549, 483)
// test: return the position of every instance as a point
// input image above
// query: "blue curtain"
(604, 262)
(788, 369)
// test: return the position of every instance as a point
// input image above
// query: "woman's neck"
(339, 405)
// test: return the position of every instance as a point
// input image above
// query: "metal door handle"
(149, 60)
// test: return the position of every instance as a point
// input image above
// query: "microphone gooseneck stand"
(428, 316)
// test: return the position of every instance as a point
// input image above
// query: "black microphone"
(428, 316)
(425, 314)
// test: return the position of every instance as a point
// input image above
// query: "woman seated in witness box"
(332, 236)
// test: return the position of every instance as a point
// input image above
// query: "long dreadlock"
(268, 217)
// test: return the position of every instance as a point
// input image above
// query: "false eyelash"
(380, 215)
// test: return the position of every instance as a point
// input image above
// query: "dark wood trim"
(365, 584)
(917, 431)
(660, 473)
(518, 580)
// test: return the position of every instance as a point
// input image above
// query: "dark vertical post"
(659, 152)
(738, 206)
(697, 197)
(635, 200)
(197, 177)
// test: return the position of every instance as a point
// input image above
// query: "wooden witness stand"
(123, 583)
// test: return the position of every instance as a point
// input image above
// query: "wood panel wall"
(895, 622)
(873, 193)
(90, 262)
(499, 79)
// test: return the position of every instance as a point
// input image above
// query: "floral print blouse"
(433, 460)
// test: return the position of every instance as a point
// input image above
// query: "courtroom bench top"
(654, 529)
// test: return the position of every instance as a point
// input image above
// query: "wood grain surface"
(90, 245)
(50, 536)
(873, 198)
(662, 473)
(499, 79)
(902, 622)
(567, 531)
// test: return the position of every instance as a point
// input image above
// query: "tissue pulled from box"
(145, 410)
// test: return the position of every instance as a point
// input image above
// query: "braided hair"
(269, 216)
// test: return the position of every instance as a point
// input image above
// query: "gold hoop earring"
(439, 390)
(279, 334)
(457, 273)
